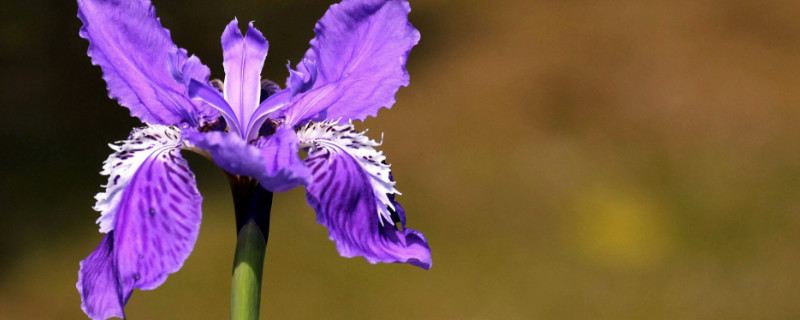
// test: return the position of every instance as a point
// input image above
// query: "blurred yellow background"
(565, 159)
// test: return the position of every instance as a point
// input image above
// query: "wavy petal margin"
(356, 62)
(141, 63)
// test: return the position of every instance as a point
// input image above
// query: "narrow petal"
(140, 62)
(356, 62)
(271, 107)
(210, 95)
(270, 162)
(243, 60)
(152, 205)
(352, 192)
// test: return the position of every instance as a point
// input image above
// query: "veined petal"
(141, 63)
(152, 205)
(243, 60)
(356, 62)
(144, 148)
(270, 161)
(352, 192)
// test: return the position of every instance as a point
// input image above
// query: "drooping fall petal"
(352, 192)
(151, 211)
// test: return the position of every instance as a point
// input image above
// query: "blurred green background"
(566, 160)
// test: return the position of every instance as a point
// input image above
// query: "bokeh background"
(566, 160)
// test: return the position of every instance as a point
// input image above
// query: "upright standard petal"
(273, 160)
(356, 62)
(152, 205)
(140, 62)
(352, 193)
(243, 60)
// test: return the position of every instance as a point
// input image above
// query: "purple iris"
(151, 208)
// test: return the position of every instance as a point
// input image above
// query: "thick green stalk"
(247, 267)
(252, 204)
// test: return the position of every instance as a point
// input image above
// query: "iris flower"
(252, 129)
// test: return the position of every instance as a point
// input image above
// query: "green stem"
(247, 267)
(252, 205)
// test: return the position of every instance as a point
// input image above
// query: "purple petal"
(243, 60)
(280, 151)
(411, 235)
(210, 95)
(271, 107)
(352, 193)
(271, 163)
(140, 62)
(97, 283)
(158, 224)
(184, 70)
(356, 62)
(153, 204)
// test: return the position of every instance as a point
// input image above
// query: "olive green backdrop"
(566, 160)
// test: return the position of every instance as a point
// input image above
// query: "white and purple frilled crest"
(151, 208)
